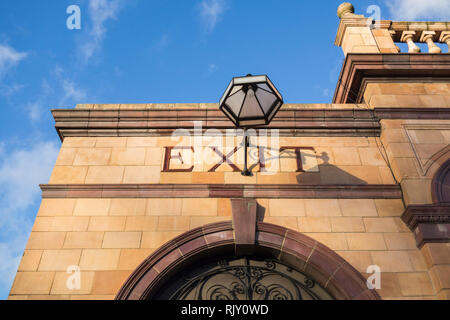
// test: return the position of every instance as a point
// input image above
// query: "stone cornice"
(221, 191)
(412, 113)
(429, 223)
(356, 121)
(432, 213)
(160, 122)
(358, 68)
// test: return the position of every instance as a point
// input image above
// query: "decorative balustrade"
(420, 32)
(359, 34)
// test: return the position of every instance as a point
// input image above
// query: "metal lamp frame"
(248, 122)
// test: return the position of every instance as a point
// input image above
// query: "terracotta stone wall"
(359, 40)
(411, 94)
(362, 39)
(416, 149)
(109, 237)
(106, 238)
(334, 160)
(437, 257)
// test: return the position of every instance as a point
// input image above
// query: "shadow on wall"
(328, 174)
(260, 212)
(321, 174)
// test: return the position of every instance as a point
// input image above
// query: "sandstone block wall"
(109, 237)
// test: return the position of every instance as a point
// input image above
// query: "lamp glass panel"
(266, 99)
(234, 102)
(264, 86)
(251, 108)
(235, 89)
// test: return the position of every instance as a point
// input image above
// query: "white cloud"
(21, 172)
(34, 109)
(211, 11)
(57, 71)
(61, 90)
(9, 90)
(326, 92)
(71, 92)
(46, 88)
(163, 42)
(100, 11)
(410, 10)
(212, 68)
(9, 58)
(10, 254)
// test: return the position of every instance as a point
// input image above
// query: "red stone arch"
(437, 160)
(322, 264)
(440, 184)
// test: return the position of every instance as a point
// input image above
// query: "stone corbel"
(244, 214)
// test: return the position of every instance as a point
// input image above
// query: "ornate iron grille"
(246, 279)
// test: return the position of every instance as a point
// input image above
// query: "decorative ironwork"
(247, 279)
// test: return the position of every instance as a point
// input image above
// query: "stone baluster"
(427, 36)
(407, 36)
(445, 37)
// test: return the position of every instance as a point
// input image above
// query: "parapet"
(359, 34)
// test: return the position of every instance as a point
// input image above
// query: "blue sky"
(145, 51)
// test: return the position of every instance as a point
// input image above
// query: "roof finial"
(345, 9)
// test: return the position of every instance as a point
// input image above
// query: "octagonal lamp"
(248, 102)
(251, 101)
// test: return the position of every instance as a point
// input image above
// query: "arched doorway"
(204, 259)
(245, 278)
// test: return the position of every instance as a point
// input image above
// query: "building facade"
(148, 201)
